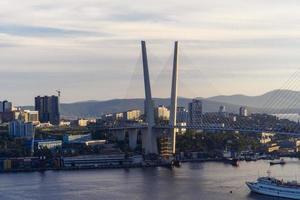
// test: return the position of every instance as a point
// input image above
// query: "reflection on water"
(191, 181)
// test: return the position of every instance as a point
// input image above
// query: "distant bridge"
(204, 128)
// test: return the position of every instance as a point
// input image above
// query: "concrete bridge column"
(132, 138)
(144, 138)
(154, 142)
(120, 135)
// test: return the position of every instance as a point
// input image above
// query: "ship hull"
(274, 191)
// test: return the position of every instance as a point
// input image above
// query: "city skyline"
(230, 47)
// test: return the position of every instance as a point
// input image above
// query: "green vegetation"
(211, 142)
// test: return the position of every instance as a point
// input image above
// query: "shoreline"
(167, 165)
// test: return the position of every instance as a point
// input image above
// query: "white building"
(162, 113)
(119, 116)
(31, 116)
(243, 111)
(83, 122)
(132, 115)
(266, 137)
(49, 144)
(76, 138)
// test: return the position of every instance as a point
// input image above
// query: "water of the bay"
(209, 181)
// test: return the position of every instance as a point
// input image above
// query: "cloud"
(91, 47)
(39, 31)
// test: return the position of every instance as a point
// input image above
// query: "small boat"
(278, 162)
(232, 161)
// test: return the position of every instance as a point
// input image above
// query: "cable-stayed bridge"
(150, 130)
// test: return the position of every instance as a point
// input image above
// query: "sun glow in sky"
(90, 49)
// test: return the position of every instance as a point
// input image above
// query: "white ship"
(274, 187)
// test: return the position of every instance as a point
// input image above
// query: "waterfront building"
(67, 138)
(195, 112)
(272, 147)
(21, 129)
(49, 144)
(162, 113)
(92, 143)
(94, 160)
(48, 108)
(243, 111)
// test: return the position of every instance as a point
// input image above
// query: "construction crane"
(58, 92)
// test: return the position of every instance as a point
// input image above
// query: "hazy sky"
(90, 49)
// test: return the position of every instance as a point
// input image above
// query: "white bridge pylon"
(151, 138)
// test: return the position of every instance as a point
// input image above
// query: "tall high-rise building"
(6, 113)
(5, 106)
(243, 111)
(48, 108)
(195, 112)
(222, 109)
(182, 115)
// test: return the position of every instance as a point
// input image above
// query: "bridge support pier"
(120, 135)
(132, 138)
(144, 139)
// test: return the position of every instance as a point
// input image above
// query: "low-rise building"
(68, 138)
(49, 144)
(162, 113)
(21, 129)
(266, 137)
(119, 116)
(31, 116)
(94, 160)
(272, 147)
(132, 115)
(83, 122)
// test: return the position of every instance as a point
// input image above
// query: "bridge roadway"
(207, 128)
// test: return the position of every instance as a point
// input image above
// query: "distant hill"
(97, 108)
(282, 100)
(279, 99)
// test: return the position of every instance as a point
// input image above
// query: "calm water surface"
(191, 181)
